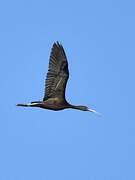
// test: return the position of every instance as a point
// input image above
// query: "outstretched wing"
(58, 73)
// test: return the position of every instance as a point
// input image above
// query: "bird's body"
(52, 104)
(55, 85)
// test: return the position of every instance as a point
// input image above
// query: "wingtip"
(57, 43)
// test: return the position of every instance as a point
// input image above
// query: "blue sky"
(99, 40)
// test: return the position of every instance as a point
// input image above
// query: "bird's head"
(82, 108)
(85, 108)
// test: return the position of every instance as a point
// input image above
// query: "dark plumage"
(55, 85)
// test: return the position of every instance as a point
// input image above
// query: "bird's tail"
(24, 105)
(32, 104)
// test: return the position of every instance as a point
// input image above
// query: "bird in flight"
(55, 84)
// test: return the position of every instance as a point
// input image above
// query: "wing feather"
(58, 73)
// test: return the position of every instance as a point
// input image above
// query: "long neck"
(82, 108)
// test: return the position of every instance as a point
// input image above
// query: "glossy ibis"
(55, 84)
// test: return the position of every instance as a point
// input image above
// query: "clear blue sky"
(99, 39)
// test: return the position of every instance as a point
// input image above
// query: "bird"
(55, 84)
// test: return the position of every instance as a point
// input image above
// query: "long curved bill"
(94, 111)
